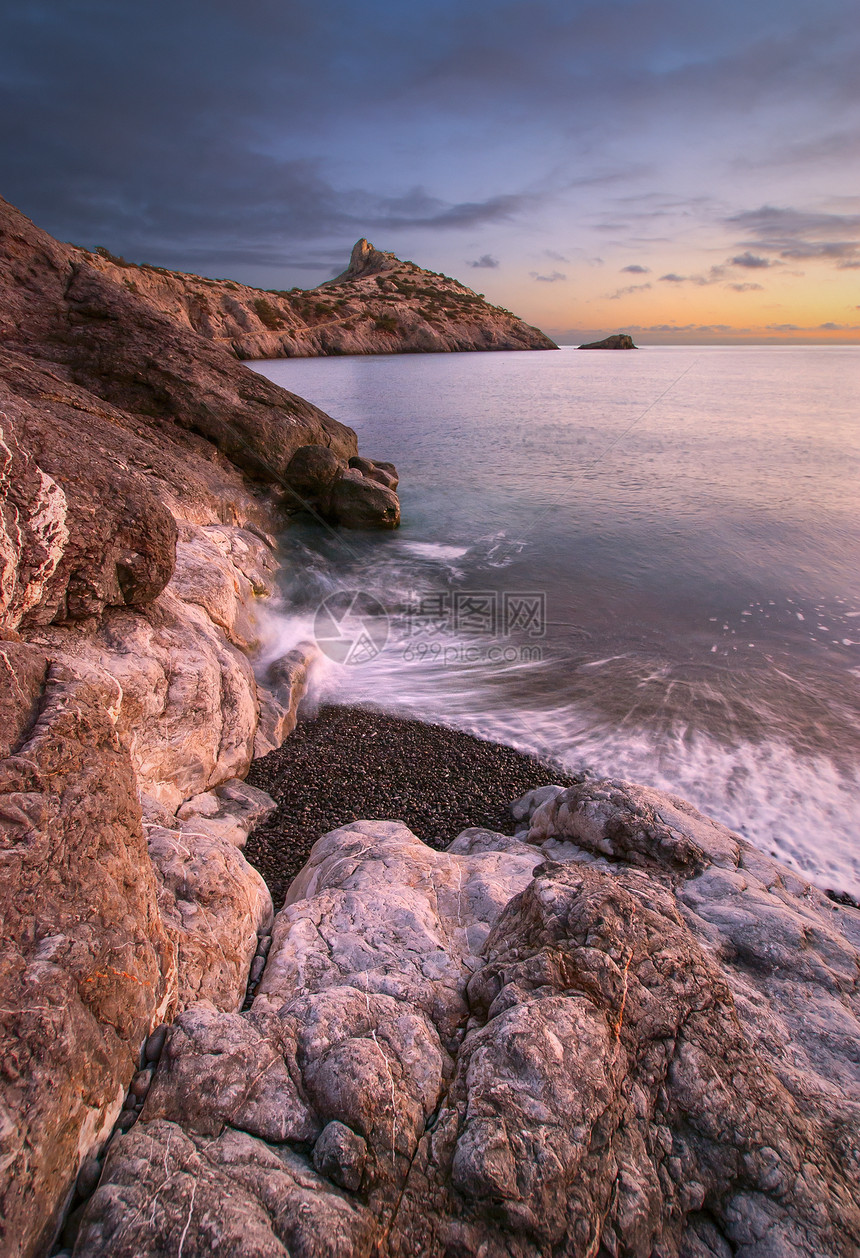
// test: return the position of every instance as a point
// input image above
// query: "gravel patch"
(351, 763)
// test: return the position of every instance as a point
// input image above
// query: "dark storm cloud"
(217, 134)
(485, 260)
(166, 133)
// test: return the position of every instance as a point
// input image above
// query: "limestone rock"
(340, 1154)
(86, 965)
(365, 261)
(648, 1046)
(33, 531)
(384, 473)
(229, 812)
(286, 682)
(132, 554)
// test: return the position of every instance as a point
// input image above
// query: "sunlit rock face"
(623, 1031)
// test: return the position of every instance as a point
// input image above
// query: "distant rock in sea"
(620, 340)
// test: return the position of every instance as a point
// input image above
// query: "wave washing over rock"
(621, 1031)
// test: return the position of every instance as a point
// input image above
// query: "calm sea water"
(643, 563)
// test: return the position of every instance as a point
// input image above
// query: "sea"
(640, 564)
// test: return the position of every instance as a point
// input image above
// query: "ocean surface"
(644, 564)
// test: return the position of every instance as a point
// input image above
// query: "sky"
(683, 170)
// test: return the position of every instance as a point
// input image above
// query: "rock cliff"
(378, 305)
(142, 471)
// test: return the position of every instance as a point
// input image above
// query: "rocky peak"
(365, 261)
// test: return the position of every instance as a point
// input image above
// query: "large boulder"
(359, 495)
(358, 502)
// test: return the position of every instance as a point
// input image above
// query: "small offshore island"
(510, 1013)
(619, 340)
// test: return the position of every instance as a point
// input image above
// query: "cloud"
(802, 234)
(485, 260)
(682, 327)
(631, 288)
(419, 209)
(635, 269)
(552, 278)
(752, 261)
(274, 129)
(715, 275)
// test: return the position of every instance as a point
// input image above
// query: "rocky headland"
(378, 305)
(619, 1030)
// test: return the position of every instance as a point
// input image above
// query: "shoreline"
(353, 762)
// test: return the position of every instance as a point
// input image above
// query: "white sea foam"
(435, 550)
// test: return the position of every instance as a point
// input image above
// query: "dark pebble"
(127, 1118)
(155, 1044)
(72, 1226)
(844, 898)
(351, 763)
(140, 1084)
(88, 1177)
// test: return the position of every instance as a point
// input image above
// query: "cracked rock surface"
(624, 1031)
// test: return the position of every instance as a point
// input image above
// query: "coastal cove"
(373, 987)
(687, 515)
